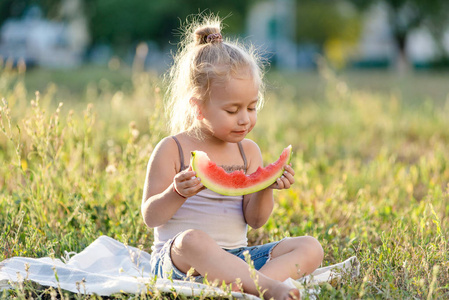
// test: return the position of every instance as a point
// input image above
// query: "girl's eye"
(231, 112)
(251, 108)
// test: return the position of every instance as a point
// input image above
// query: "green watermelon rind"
(210, 183)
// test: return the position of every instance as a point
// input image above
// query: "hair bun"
(205, 35)
(214, 37)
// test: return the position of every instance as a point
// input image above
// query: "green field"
(371, 155)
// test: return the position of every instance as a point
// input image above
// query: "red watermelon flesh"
(236, 183)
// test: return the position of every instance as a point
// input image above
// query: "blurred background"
(359, 88)
(72, 47)
(400, 35)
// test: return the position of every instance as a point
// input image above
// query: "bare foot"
(235, 287)
(294, 294)
(282, 292)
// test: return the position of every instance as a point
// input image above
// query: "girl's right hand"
(186, 184)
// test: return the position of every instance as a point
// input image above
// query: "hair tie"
(214, 37)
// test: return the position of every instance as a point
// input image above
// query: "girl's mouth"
(240, 132)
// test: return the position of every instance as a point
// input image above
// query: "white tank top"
(221, 217)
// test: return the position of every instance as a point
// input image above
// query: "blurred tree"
(407, 15)
(334, 26)
(17, 8)
(121, 23)
(318, 20)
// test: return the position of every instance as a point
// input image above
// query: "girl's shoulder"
(165, 155)
(167, 141)
(250, 144)
(250, 148)
(253, 155)
(166, 147)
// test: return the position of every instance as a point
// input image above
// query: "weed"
(372, 177)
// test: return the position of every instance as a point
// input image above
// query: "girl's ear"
(195, 102)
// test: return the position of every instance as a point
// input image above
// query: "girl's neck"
(207, 138)
(208, 142)
(221, 152)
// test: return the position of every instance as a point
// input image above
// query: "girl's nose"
(243, 118)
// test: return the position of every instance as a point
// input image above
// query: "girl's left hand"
(286, 180)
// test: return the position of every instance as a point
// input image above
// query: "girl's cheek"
(251, 128)
(254, 122)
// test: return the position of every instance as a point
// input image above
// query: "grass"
(371, 161)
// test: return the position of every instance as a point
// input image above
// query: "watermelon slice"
(237, 183)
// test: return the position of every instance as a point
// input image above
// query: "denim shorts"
(163, 267)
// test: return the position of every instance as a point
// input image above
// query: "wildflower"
(135, 133)
(111, 169)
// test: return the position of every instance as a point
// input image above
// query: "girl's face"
(230, 113)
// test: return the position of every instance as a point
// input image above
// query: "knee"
(314, 250)
(190, 240)
(309, 251)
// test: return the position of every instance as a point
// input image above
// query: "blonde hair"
(204, 59)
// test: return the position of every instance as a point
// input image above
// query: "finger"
(289, 169)
(186, 184)
(285, 181)
(190, 191)
(186, 175)
(279, 183)
(289, 177)
(274, 185)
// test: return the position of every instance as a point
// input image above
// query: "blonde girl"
(215, 90)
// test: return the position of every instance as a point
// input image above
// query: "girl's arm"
(164, 188)
(257, 207)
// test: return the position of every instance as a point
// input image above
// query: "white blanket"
(107, 267)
